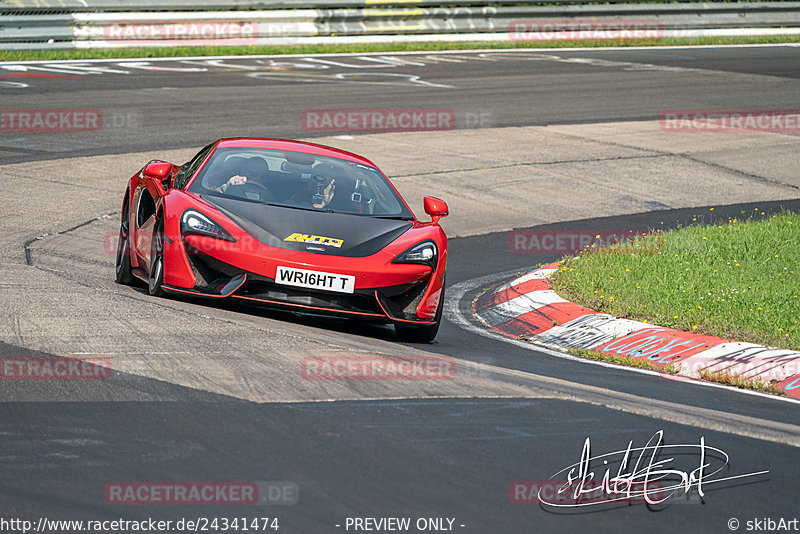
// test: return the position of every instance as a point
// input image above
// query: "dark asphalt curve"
(149, 105)
(63, 443)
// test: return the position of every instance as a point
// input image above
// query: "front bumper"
(408, 289)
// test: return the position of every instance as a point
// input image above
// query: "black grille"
(361, 301)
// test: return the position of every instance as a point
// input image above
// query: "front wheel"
(417, 334)
(156, 278)
(421, 334)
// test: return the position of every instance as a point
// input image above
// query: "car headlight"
(424, 253)
(194, 222)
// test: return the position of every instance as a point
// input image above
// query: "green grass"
(737, 279)
(641, 363)
(111, 53)
(738, 381)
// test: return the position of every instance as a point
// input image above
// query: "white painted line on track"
(413, 53)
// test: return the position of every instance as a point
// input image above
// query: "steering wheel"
(241, 190)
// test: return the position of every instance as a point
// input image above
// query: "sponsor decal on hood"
(315, 240)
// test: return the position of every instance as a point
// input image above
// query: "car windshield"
(299, 180)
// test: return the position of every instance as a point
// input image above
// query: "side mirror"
(436, 208)
(159, 171)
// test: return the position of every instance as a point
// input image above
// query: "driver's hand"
(327, 195)
(234, 180)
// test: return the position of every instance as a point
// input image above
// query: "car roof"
(292, 146)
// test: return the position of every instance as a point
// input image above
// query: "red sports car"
(288, 224)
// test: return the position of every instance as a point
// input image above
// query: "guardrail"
(95, 28)
(90, 6)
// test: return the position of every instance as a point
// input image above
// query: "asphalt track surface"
(359, 450)
(265, 97)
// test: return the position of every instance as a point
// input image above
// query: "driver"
(237, 171)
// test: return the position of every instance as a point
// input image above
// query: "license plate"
(339, 283)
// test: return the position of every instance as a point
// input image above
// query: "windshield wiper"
(293, 207)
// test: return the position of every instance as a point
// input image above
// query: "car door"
(144, 221)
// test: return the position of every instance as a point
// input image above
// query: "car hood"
(334, 234)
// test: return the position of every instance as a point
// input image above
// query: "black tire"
(421, 334)
(123, 260)
(156, 278)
